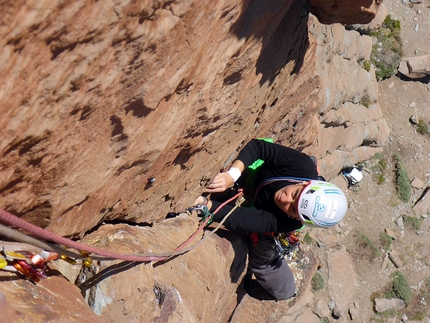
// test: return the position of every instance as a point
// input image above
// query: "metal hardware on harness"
(197, 207)
(31, 266)
(203, 210)
(288, 244)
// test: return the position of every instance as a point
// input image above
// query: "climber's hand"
(220, 183)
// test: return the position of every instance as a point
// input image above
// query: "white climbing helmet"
(322, 204)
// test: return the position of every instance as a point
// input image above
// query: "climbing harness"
(21, 262)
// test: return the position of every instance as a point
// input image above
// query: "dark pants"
(271, 272)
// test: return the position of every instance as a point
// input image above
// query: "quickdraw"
(33, 266)
(87, 261)
(26, 264)
(288, 244)
(203, 210)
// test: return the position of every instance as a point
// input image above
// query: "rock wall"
(125, 109)
(334, 11)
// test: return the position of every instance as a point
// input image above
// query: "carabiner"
(198, 207)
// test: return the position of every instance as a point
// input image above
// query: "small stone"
(337, 312)
(391, 85)
(417, 183)
(321, 309)
(423, 205)
(327, 240)
(413, 119)
(399, 222)
(353, 313)
(413, 104)
(416, 27)
(390, 233)
(394, 257)
(385, 262)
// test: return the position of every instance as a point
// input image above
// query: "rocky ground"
(375, 208)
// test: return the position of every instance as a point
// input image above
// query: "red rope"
(15, 221)
(207, 220)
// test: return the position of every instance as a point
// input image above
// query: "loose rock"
(384, 304)
(394, 257)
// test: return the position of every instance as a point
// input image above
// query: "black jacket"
(279, 161)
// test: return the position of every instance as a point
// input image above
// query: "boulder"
(422, 206)
(415, 67)
(384, 304)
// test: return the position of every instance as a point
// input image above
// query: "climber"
(287, 195)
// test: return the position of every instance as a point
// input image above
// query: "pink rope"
(15, 221)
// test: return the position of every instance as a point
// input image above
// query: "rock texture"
(113, 109)
(343, 280)
(123, 110)
(53, 299)
(357, 12)
(189, 288)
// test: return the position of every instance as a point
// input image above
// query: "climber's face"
(287, 199)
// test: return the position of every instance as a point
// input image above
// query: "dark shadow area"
(105, 273)
(240, 248)
(330, 12)
(117, 127)
(282, 26)
(138, 109)
(425, 79)
(183, 156)
(49, 272)
(253, 288)
(11, 278)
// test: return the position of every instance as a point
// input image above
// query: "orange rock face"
(122, 110)
(125, 109)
